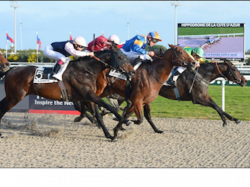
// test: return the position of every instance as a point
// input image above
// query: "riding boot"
(172, 79)
(55, 70)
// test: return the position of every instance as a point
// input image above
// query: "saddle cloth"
(42, 75)
(119, 75)
(173, 71)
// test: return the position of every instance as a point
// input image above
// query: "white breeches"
(181, 69)
(133, 55)
(50, 53)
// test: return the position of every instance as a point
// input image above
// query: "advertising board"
(218, 40)
(39, 104)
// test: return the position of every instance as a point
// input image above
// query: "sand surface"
(55, 141)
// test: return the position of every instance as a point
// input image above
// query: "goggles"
(80, 46)
(154, 40)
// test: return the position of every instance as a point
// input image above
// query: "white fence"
(12, 64)
(223, 89)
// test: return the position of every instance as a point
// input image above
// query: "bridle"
(177, 56)
(228, 72)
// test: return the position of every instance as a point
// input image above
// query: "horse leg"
(5, 106)
(126, 115)
(208, 101)
(100, 120)
(138, 112)
(148, 117)
(78, 106)
(237, 121)
(81, 107)
(91, 96)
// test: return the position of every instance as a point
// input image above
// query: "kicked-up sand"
(55, 141)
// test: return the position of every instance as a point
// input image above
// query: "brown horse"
(79, 80)
(4, 64)
(198, 94)
(149, 79)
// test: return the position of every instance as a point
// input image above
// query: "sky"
(54, 20)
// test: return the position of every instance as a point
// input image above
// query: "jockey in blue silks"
(136, 46)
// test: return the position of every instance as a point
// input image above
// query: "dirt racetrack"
(52, 140)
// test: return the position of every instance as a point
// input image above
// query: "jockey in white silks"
(60, 51)
(136, 46)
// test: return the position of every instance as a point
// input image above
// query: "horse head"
(120, 61)
(233, 74)
(181, 58)
(4, 64)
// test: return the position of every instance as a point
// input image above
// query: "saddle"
(113, 73)
(42, 75)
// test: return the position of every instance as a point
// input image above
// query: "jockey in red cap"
(101, 43)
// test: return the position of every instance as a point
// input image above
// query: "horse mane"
(83, 62)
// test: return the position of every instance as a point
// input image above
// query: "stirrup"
(51, 77)
(171, 83)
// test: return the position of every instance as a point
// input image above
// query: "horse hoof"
(159, 131)
(122, 129)
(238, 121)
(129, 123)
(113, 139)
(77, 119)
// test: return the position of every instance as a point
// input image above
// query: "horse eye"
(180, 52)
(121, 57)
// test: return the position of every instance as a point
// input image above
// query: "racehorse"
(79, 79)
(198, 94)
(149, 78)
(4, 64)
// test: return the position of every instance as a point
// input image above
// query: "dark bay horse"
(199, 92)
(79, 79)
(149, 79)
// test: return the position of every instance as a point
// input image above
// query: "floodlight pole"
(14, 5)
(21, 35)
(175, 24)
(128, 29)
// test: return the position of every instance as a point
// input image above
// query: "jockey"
(100, 43)
(136, 46)
(197, 53)
(60, 51)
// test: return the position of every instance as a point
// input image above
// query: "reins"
(220, 71)
(183, 62)
(107, 65)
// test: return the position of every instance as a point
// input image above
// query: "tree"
(156, 48)
(32, 58)
(13, 58)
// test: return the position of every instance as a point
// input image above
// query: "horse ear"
(161, 50)
(172, 46)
